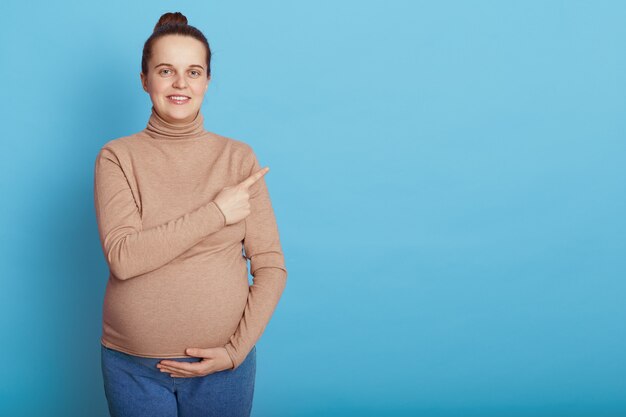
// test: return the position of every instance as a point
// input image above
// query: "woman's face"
(178, 69)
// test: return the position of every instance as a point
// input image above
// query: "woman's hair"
(173, 24)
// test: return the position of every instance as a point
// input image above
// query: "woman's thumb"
(193, 351)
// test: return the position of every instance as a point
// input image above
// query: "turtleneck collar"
(158, 128)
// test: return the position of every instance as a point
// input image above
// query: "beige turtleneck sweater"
(178, 276)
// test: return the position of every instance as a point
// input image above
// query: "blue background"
(448, 178)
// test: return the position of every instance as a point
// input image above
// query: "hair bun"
(176, 18)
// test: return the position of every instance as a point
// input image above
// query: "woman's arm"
(129, 250)
(267, 266)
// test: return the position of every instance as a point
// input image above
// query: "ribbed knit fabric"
(178, 276)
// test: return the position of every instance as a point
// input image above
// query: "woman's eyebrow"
(170, 65)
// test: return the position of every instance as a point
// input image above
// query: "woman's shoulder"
(237, 146)
(235, 143)
(117, 145)
(240, 151)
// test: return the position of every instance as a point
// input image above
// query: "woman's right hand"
(234, 201)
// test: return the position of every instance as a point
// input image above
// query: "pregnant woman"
(180, 211)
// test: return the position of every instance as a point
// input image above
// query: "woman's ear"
(143, 82)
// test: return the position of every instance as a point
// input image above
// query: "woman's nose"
(180, 82)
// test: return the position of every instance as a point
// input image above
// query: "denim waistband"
(150, 362)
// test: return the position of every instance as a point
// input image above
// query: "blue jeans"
(135, 387)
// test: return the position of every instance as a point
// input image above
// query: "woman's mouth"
(178, 99)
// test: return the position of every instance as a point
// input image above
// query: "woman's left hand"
(214, 360)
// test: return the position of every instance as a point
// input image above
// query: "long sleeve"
(267, 266)
(129, 250)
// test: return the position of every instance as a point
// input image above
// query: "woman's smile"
(178, 99)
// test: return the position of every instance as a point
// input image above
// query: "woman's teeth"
(178, 99)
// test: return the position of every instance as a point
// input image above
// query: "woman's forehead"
(179, 50)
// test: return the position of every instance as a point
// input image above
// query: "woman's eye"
(193, 72)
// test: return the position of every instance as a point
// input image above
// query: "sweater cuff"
(216, 213)
(233, 355)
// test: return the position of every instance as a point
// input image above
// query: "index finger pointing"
(254, 177)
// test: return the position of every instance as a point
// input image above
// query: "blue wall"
(448, 178)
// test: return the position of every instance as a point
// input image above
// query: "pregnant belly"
(181, 305)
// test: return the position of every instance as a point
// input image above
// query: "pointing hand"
(234, 200)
